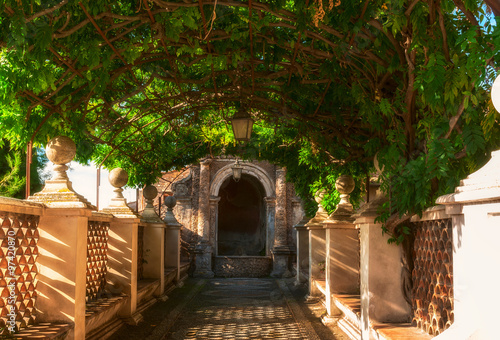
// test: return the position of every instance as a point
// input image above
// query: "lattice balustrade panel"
(433, 276)
(97, 258)
(18, 270)
(140, 253)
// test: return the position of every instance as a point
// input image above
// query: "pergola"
(348, 75)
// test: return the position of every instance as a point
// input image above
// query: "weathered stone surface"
(203, 201)
(243, 266)
(280, 234)
(60, 150)
(199, 209)
(118, 206)
(149, 214)
(58, 192)
(118, 177)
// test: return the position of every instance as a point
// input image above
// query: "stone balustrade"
(438, 285)
(75, 268)
(62, 261)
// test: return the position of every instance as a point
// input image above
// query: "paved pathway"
(231, 309)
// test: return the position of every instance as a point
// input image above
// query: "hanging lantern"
(237, 168)
(242, 125)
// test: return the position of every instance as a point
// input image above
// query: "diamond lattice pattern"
(97, 258)
(18, 270)
(433, 276)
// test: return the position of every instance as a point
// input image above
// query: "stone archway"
(248, 169)
(241, 228)
(243, 249)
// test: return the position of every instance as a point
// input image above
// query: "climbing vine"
(151, 85)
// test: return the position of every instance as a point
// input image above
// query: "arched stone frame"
(248, 169)
(270, 199)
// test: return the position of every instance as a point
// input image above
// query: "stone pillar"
(184, 212)
(475, 210)
(203, 250)
(297, 217)
(302, 275)
(281, 250)
(382, 298)
(62, 260)
(342, 247)
(154, 241)
(270, 222)
(172, 238)
(214, 220)
(317, 248)
(122, 243)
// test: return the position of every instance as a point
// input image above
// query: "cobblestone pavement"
(232, 309)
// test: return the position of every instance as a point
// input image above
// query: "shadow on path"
(231, 309)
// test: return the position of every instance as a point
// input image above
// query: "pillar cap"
(149, 214)
(321, 214)
(480, 186)
(369, 211)
(58, 192)
(344, 211)
(169, 219)
(60, 150)
(118, 177)
(118, 206)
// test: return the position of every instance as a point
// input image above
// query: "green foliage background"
(13, 171)
(402, 80)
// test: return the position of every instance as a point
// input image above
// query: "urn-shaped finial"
(318, 197)
(344, 211)
(170, 202)
(58, 191)
(118, 178)
(344, 185)
(149, 214)
(60, 150)
(118, 206)
(150, 192)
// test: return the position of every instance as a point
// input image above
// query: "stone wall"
(243, 266)
(187, 191)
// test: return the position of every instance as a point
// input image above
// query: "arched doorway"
(241, 229)
(242, 221)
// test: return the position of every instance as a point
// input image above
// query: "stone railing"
(65, 264)
(444, 289)
(18, 266)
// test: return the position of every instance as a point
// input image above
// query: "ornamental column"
(62, 246)
(270, 221)
(154, 240)
(475, 211)
(342, 247)
(214, 218)
(302, 251)
(281, 251)
(172, 239)
(382, 299)
(203, 250)
(123, 247)
(317, 249)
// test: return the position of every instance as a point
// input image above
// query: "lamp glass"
(237, 168)
(242, 125)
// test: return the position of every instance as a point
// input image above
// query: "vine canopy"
(150, 84)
